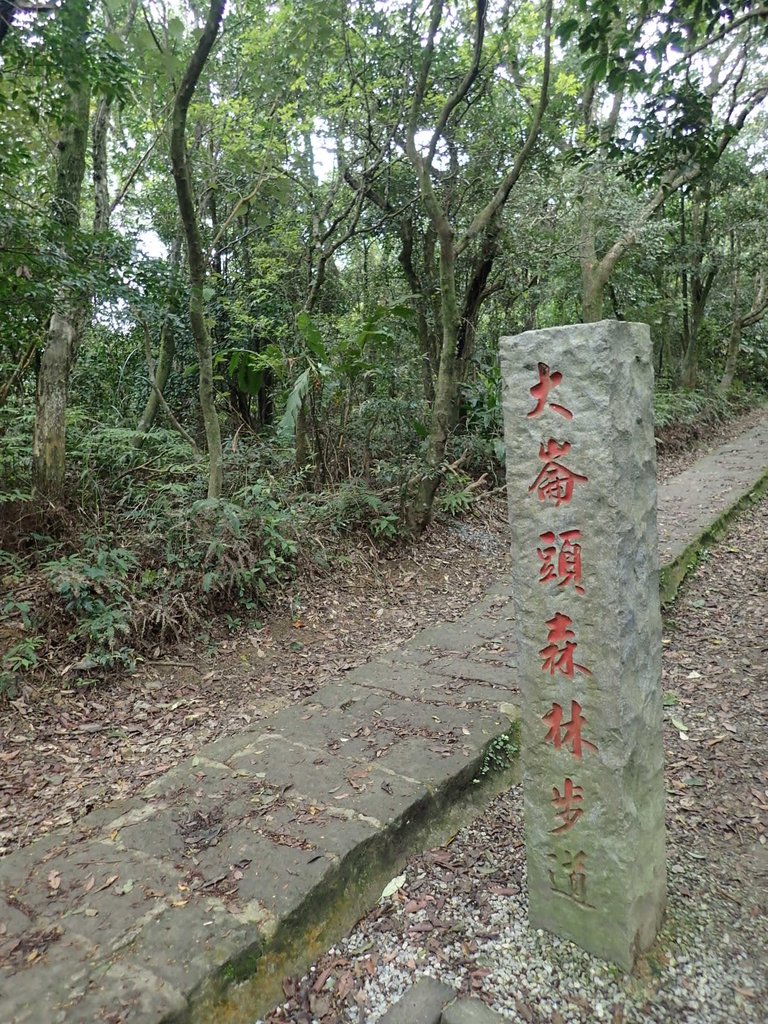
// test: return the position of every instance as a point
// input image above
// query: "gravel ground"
(460, 913)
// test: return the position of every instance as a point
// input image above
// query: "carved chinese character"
(567, 734)
(561, 559)
(567, 805)
(540, 391)
(568, 876)
(561, 647)
(555, 482)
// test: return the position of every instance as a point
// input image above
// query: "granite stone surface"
(581, 485)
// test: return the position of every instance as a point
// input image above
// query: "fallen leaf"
(392, 887)
(110, 881)
(345, 985)
(748, 993)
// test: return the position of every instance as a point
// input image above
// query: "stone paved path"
(690, 503)
(264, 847)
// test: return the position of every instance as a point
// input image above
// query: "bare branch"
(467, 82)
(482, 220)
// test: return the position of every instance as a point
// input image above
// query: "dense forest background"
(254, 264)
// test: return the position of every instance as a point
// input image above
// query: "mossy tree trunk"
(197, 262)
(70, 306)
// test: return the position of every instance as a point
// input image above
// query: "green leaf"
(176, 30)
(566, 29)
(312, 337)
(287, 425)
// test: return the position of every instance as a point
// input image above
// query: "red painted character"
(555, 482)
(563, 565)
(561, 647)
(568, 805)
(567, 734)
(540, 391)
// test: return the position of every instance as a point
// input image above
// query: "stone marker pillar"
(581, 480)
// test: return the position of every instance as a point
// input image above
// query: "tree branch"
(467, 82)
(496, 204)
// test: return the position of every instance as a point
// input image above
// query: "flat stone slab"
(470, 1011)
(423, 1003)
(157, 908)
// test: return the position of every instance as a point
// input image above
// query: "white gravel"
(703, 971)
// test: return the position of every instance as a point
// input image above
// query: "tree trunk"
(591, 288)
(422, 490)
(49, 438)
(757, 312)
(591, 300)
(732, 355)
(166, 352)
(689, 370)
(198, 270)
(159, 374)
(68, 315)
(99, 133)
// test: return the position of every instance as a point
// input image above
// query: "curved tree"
(196, 257)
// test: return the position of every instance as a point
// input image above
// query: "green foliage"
(95, 593)
(351, 507)
(20, 657)
(232, 550)
(501, 753)
(455, 500)
(673, 407)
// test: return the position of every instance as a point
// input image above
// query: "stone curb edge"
(250, 985)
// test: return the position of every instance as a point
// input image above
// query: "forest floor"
(64, 749)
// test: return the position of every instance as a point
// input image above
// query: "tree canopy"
(256, 253)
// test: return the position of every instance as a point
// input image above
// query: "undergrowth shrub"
(231, 549)
(95, 593)
(674, 407)
(351, 507)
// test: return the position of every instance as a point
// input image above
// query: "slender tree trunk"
(591, 289)
(756, 313)
(99, 134)
(166, 352)
(423, 489)
(166, 347)
(69, 312)
(689, 370)
(198, 269)
(732, 354)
